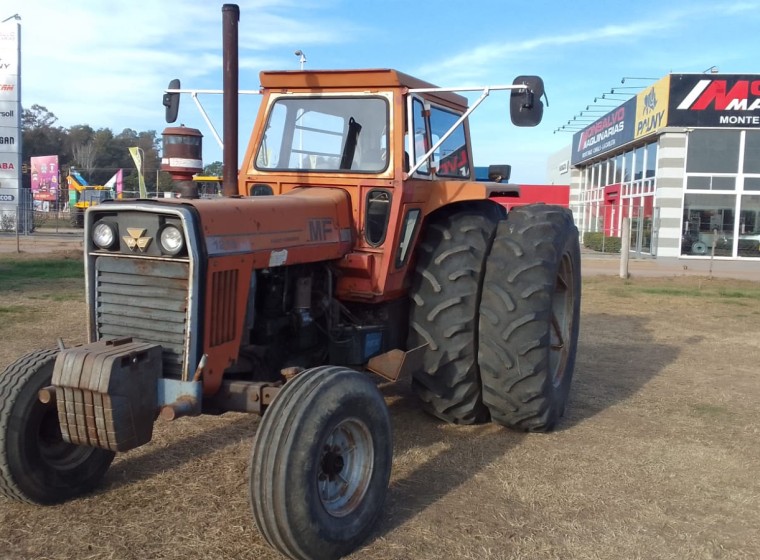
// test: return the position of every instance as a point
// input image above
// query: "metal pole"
(18, 215)
(625, 248)
(712, 252)
(230, 19)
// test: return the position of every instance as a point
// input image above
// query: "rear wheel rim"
(345, 467)
(561, 323)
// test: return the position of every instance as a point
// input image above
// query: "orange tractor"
(352, 246)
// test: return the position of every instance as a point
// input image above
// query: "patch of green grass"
(713, 411)
(11, 309)
(687, 292)
(17, 274)
(66, 296)
(749, 293)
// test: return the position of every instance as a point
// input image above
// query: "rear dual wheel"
(497, 301)
(529, 318)
(445, 300)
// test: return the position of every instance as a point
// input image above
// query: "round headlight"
(104, 235)
(171, 240)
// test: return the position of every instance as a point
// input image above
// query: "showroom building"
(681, 159)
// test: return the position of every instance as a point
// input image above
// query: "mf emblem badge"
(136, 239)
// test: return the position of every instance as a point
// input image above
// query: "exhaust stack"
(230, 19)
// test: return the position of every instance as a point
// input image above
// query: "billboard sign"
(613, 130)
(714, 100)
(9, 140)
(10, 116)
(652, 108)
(45, 178)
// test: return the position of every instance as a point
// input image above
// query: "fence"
(600, 227)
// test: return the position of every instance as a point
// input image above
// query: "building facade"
(682, 160)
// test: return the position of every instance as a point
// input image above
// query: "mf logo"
(650, 102)
(319, 229)
(136, 239)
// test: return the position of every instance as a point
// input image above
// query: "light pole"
(302, 57)
(14, 16)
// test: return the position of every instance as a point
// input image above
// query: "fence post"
(18, 215)
(712, 252)
(625, 247)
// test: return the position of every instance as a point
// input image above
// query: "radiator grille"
(144, 299)
(223, 306)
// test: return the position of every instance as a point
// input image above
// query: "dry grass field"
(657, 457)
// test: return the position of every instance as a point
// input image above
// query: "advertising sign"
(8, 59)
(9, 141)
(10, 116)
(652, 108)
(720, 100)
(8, 87)
(613, 130)
(45, 178)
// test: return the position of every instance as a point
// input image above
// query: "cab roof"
(379, 79)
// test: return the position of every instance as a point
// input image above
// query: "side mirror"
(499, 173)
(171, 102)
(525, 105)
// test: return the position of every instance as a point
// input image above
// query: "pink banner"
(45, 178)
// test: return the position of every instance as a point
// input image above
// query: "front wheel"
(321, 464)
(36, 465)
(529, 317)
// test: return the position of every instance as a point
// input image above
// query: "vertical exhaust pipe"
(230, 19)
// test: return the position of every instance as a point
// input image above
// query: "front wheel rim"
(345, 467)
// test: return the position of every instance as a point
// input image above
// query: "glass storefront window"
(708, 221)
(749, 226)
(752, 151)
(639, 163)
(627, 167)
(651, 159)
(618, 169)
(713, 151)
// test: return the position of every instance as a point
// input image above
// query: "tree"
(214, 168)
(84, 156)
(99, 153)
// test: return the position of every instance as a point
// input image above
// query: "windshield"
(326, 134)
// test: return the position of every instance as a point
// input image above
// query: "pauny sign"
(608, 133)
(723, 100)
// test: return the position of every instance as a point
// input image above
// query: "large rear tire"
(529, 317)
(321, 464)
(445, 299)
(36, 465)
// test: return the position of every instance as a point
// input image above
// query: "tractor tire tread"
(515, 317)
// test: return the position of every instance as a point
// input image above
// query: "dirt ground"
(657, 456)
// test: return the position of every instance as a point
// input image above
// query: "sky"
(106, 64)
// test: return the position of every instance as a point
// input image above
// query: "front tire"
(321, 464)
(529, 318)
(36, 465)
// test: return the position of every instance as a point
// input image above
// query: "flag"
(137, 157)
(116, 183)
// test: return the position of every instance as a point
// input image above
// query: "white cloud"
(480, 60)
(106, 64)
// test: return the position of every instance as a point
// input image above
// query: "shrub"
(597, 241)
